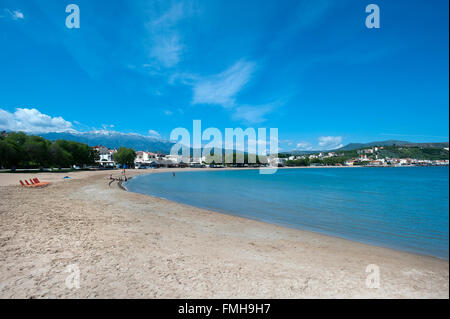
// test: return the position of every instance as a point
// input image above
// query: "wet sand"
(129, 245)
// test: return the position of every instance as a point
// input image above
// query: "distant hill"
(112, 139)
(357, 146)
(296, 152)
(430, 145)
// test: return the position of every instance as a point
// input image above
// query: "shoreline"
(12, 179)
(137, 246)
(218, 211)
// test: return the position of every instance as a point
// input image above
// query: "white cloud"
(154, 133)
(222, 88)
(324, 143)
(166, 47)
(31, 120)
(107, 126)
(7, 120)
(304, 146)
(330, 142)
(168, 112)
(18, 15)
(172, 16)
(15, 15)
(253, 114)
(167, 50)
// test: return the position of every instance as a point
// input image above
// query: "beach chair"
(38, 183)
(26, 184)
(35, 182)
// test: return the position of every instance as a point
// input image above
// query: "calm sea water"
(402, 208)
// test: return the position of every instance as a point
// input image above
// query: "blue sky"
(309, 68)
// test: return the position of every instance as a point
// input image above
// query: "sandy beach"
(128, 245)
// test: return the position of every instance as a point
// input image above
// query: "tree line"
(328, 161)
(28, 151)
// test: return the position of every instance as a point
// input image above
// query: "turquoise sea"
(405, 208)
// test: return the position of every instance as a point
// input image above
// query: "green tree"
(298, 162)
(81, 154)
(18, 138)
(11, 150)
(332, 161)
(59, 156)
(36, 151)
(125, 156)
(9, 154)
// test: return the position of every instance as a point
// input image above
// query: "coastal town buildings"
(366, 157)
(106, 156)
(144, 159)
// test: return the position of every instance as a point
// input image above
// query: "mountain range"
(113, 139)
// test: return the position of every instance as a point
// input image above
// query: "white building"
(177, 159)
(106, 156)
(276, 161)
(144, 158)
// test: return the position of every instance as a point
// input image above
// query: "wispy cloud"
(107, 126)
(31, 120)
(252, 114)
(154, 133)
(310, 13)
(330, 142)
(323, 143)
(15, 15)
(167, 50)
(175, 111)
(166, 46)
(255, 114)
(170, 17)
(304, 146)
(222, 88)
